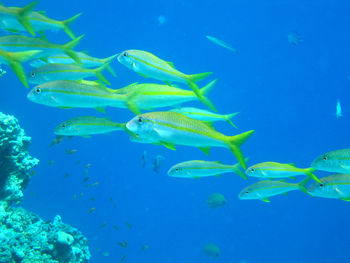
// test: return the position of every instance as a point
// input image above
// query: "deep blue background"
(286, 93)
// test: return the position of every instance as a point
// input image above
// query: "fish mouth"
(30, 96)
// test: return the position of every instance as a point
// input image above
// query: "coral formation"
(24, 236)
(15, 162)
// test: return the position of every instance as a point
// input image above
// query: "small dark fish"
(87, 165)
(123, 244)
(92, 210)
(294, 38)
(58, 139)
(95, 184)
(115, 228)
(144, 247)
(81, 194)
(123, 258)
(78, 162)
(74, 196)
(66, 175)
(113, 203)
(144, 159)
(71, 151)
(85, 172)
(128, 225)
(106, 254)
(86, 179)
(103, 225)
(92, 198)
(157, 163)
(32, 173)
(51, 162)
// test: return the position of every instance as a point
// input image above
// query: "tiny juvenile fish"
(270, 170)
(18, 43)
(216, 200)
(204, 115)
(144, 159)
(148, 65)
(263, 190)
(71, 151)
(335, 161)
(221, 43)
(334, 186)
(19, 15)
(198, 169)
(87, 125)
(86, 60)
(294, 38)
(95, 184)
(123, 244)
(338, 112)
(171, 128)
(71, 94)
(51, 72)
(148, 96)
(157, 163)
(103, 225)
(58, 139)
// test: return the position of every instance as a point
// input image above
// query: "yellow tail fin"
(235, 141)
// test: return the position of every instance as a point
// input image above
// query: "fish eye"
(176, 169)
(325, 157)
(140, 120)
(321, 185)
(38, 90)
(32, 74)
(125, 54)
(247, 192)
(252, 170)
(64, 125)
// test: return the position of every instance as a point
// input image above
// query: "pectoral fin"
(346, 167)
(133, 107)
(101, 109)
(142, 75)
(205, 150)
(170, 146)
(266, 199)
(65, 107)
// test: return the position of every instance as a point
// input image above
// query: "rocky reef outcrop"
(15, 161)
(24, 236)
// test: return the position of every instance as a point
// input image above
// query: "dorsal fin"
(171, 64)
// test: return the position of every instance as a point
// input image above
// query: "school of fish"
(65, 78)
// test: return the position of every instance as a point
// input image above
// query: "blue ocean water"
(287, 93)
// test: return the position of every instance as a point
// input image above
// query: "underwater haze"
(291, 67)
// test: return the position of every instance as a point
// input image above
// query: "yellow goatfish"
(171, 128)
(148, 65)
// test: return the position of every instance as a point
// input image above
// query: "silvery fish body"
(335, 161)
(71, 94)
(51, 72)
(264, 189)
(199, 168)
(87, 125)
(333, 186)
